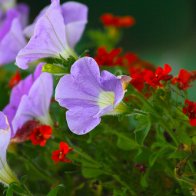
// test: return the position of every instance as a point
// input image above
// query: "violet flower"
(35, 104)
(55, 33)
(88, 95)
(12, 38)
(29, 100)
(6, 175)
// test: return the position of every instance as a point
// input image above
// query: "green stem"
(27, 190)
(104, 169)
(118, 179)
(37, 169)
(155, 114)
(162, 123)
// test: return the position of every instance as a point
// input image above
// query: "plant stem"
(118, 179)
(37, 169)
(155, 114)
(105, 170)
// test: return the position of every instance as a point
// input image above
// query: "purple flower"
(35, 104)
(6, 175)
(55, 32)
(29, 100)
(88, 95)
(22, 88)
(11, 33)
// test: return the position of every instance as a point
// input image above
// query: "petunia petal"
(81, 122)
(7, 21)
(86, 74)
(36, 104)
(11, 43)
(5, 134)
(75, 18)
(23, 10)
(29, 30)
(71, 95)
(111, 83)
(49, 38)
(18, 91)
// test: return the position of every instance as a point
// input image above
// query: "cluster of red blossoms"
(143, 73)
(116, 58)
(190, 111)
(183, 79)
(117, 21)
(40, 135)
(60, 154)
(141, 77)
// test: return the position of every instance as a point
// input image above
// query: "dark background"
(165, 31)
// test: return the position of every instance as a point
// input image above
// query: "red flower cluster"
(114, 57)
(137, 78)
(40, 135)
(183, 79)
(161, 74)
(15, 79)
(60, 154)
(107, 58)
(190, 111)
(141, 76)
(143, 73)
(117, 21)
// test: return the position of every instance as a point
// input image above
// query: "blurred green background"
(165, 31)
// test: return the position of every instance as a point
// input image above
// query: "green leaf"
(144, 181)
(142, 130)
(90, 172)
(184, 138)
(68, 62)
(178, 155)
(56, 61)
(54, 69)
(10, 191)
(155, 155)
(126, 143)
(121, 192)
(55, 191)
(53, 60)
(194, 139)
(14, 188)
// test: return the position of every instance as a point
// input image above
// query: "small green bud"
(54, 69)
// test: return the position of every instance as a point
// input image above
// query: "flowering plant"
(97, 122)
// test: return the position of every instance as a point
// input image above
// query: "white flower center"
(105, 99)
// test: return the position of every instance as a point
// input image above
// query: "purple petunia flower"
(12, 38)
(88, 95)
(55, 33)
(6, 175)
(35, 105)
(30, 99)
